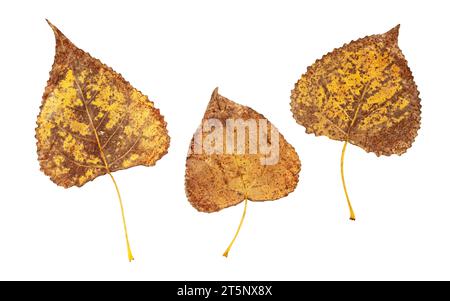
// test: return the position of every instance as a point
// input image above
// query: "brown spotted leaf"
(220, 179)
(362, 93)
(92, 121)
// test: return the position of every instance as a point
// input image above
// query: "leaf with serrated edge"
(362, 93)
(93, 122)
(217, 181)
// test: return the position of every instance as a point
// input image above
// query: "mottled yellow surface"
(363, 92)
(92, 120)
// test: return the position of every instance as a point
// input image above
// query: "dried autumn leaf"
(363, 93)
(222, 178)
(93, 122)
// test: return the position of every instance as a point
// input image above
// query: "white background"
(177, 52)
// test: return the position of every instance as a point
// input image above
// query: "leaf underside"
(217, 181)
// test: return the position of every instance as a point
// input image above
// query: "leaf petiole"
(352, 214)
(130, 255)
(225, 254)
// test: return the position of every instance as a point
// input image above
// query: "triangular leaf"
(92, 121)
(220, 179)
(362, 93)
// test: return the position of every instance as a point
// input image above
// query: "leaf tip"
(214, 97)
(393, 33)
(55, 29)
(215, 92)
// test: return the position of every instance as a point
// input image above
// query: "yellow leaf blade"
(92, 120)
(370, 77)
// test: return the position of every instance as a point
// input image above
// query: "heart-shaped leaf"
(237, 155)
(362, 93)
(93, 122)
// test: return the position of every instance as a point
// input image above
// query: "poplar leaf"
(362, 93)
(218, 180)
(93, 122)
